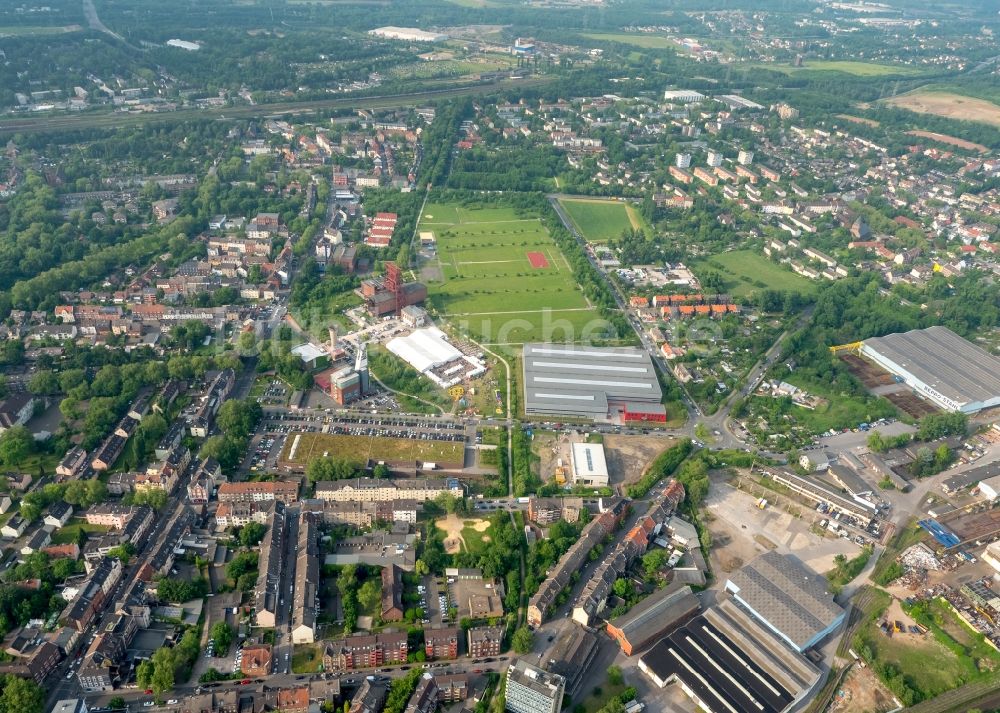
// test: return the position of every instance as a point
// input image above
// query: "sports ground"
(599, 221)
(500, 277)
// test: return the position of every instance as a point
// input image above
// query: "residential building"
(441, 643)
(16, 410)
(73, 464)
(365, 651)
(375, 489)
(425, 696)
(370, 698)
(266, 594)
(305, 596)
(257, 660)
(246, 491)
(485, 641)
(392, 593)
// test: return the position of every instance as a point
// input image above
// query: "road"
(723, 436)
(94, 22)
(689, 403)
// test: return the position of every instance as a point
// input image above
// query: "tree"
(252, 533)
(116, 703)
(144, 674)
(122, 552)
(225, 449)
(331, 468)
(370, 595)
(222, 636)
(246, 341)
(239, 417)
(164, 670)
(622, 587)
(615, 676)
(241, 564)
(420, 568)
(153, 497)
(21, 696)
(43, 383)
(15, 445)
(523, 640)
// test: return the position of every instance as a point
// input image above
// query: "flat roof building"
(950, 371)
(602, 384)
(787, 597)
(589, 465)
(532, 690)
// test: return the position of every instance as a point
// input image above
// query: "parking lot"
(279, 424)
(741, 531)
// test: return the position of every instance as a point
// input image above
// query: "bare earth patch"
(951, 140)
(861, 691)
(953, 106)
(452, 526)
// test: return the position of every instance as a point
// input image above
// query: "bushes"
(892, 572)
(664, 465)
(181, 590)
(846, 570)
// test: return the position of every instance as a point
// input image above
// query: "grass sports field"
(600, 221)
(745, 271)
(858, 69)
(500, 277)
(360, 449)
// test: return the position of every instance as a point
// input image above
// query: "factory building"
(788, 598)
(589, 465)
(941, 366)
(601, 384)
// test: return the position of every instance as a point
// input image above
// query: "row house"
(248, 492)
(377, 489)
(73, 465)
(229, 515)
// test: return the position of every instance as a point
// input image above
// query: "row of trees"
(237, 419)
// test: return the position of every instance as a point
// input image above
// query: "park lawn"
(926, 663)
(306, 658)
(484, 283)
(475, 541)
(596, 700)
(928, 666)
(71, 532)
(857, 69)
(598, 221)
(745, 271)
(649, 42)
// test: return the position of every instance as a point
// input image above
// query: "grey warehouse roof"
(951, 365)
(579, 380)
(790, 597)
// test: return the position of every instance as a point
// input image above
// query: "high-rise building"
(745, 157)
(682, 160)
(532, 690)
(714, 158)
